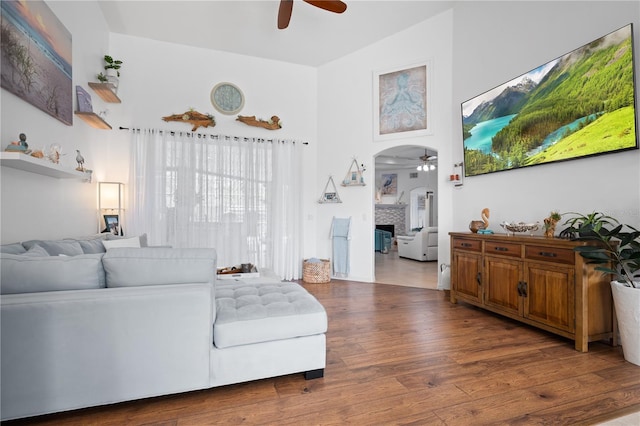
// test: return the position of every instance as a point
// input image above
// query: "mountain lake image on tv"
(578, 105)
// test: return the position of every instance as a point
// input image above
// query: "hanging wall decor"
(330, 195)
(197, 119)
(401, 98)
(227, 98)
(273, 124)
(354, 175)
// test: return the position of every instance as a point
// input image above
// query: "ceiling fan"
(286, 6)
(428, 162)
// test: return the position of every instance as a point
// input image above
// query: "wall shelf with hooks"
(457, 175)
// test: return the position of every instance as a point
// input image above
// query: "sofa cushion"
(56, 248)
(143, 238)
(15, 248)
(36, 251)
(131, 267)
(26, 274)
(253, 313)
(124, 242)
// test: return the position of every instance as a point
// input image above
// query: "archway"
(402, 188)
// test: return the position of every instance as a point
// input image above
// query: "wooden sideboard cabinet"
(539, 281)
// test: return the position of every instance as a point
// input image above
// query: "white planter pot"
(112, 77)
(627, 304)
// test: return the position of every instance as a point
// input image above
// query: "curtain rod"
(172, 132)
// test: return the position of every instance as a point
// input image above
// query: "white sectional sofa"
(131, 323)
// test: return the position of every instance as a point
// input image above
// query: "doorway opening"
(406, 198)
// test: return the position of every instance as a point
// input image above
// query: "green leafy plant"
(112, 64)
(618, 248)
(583, 225)
(102, 78)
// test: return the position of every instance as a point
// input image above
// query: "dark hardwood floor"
(403, 355)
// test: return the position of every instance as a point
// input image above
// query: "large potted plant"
(617, 253)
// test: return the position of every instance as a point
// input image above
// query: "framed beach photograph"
(36, 61)
(401, 102)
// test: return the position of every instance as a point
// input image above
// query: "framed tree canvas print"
(400, 102)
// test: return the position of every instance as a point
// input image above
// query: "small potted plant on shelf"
(112, 70)
(618, 254)
(112, 65)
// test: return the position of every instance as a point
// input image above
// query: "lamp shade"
(110, 195)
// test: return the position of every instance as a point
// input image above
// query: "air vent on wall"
(413, 175)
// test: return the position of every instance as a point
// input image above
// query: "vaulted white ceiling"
(249, 27)
(314, 36)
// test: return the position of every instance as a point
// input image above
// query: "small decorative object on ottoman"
(316, 271)
(244, 270)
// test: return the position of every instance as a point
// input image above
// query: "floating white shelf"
(17, 160)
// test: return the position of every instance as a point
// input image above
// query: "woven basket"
(316, 272)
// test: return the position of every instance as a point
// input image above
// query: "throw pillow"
(124, 242)
(25, 274)
(36, 251)
(55, 248)
(143, 239)
(15, 248)
(92, 246)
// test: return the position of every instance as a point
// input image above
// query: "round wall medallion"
(227, 98)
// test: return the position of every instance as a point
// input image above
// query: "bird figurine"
(477, 225)
(80, 160)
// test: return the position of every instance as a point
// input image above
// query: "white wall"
(345, 130)
(36, 206)
(494, 43)
(473, 47)
(160, 79)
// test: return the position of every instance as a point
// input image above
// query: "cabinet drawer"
(550, 254)
(503, 249)
(467, 244)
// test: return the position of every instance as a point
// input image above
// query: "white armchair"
(422, 246)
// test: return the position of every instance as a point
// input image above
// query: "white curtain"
(241, 196)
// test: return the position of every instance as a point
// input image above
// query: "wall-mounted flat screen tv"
(578, 105)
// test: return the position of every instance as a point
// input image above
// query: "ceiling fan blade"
(335, 6)
(284, 13)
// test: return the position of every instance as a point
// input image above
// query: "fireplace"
(389, 228)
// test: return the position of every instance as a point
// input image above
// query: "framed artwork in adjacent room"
(36, 60)
(401, 102)
(389, 184)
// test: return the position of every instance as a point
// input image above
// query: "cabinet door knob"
(479, 278)
(501, 249)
